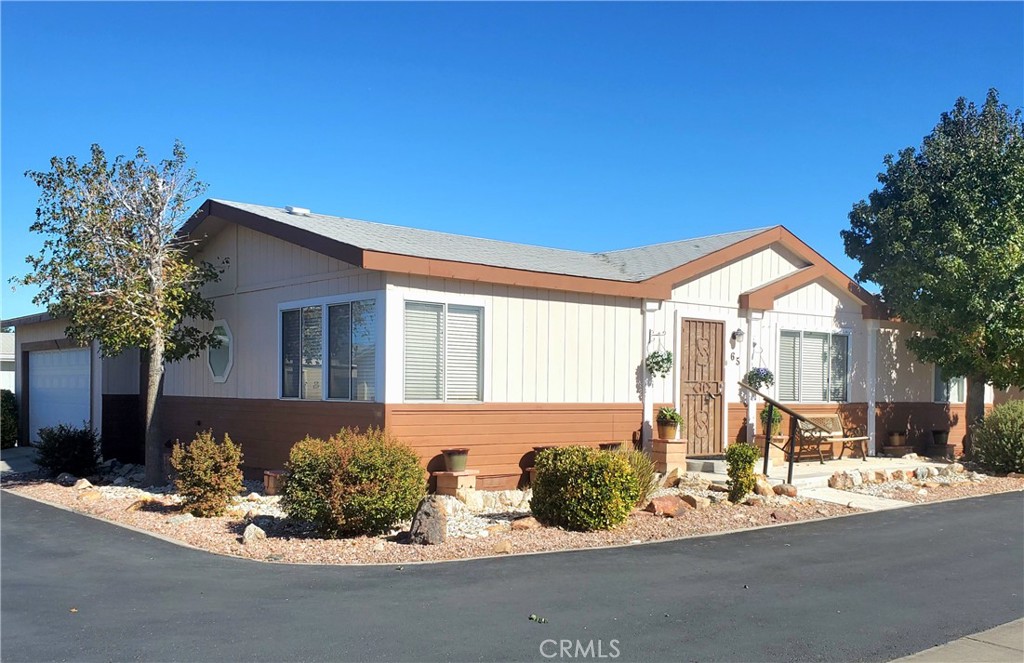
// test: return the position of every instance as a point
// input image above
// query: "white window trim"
(449, 299)
(378, 303)
(231, 352)
(935, 370)
(800, 361)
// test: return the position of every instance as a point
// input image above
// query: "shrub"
(8, 419)
(643, 468)
(582, 489)
(999, 439)
(353, 483)
(776, 420)
(740, 459)
(68, 449)
(208, 474)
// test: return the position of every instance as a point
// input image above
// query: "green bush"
(583, 489)
(643, 468)
(740, 459)
(999, 439)
(68, 449)
(8, 419)
(353, 483)
(776, 420)
(208, 474)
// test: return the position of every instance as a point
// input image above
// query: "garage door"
(58, 389)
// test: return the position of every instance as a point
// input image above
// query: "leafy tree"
(114, 267)
(944, 238)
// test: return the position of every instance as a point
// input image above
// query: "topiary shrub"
(8, 419)
(68, 449)
(583, 489)
(353, 483)
(643, 468)
(999, 439)
(208, 474)
(740, 459)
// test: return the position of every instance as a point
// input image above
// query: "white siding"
(724, 286)
(262, 272)
(541, 346)
(818, 297)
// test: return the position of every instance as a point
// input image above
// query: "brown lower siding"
(266, 429)
(121, 432)
(918, 419)
(501, 436)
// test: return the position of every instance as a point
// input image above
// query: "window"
(220, 358)
(813, 366)
(953, 390)
(351, 369)
(443, 352)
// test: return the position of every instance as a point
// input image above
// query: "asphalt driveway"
(870, 587)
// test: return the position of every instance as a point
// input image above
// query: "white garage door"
(58, 389)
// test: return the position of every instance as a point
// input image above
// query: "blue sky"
(582, 126)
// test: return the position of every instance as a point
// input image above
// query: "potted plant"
(668, 423)
(759, 378)
(455, 459)
(776, 422)
(940, 437)
(659, 363)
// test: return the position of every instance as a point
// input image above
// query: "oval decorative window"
(220, 358)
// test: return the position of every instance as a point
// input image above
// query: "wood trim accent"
(763, 298)
(392, 262)
(54, 344)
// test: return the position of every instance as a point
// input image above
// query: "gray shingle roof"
(630, 265)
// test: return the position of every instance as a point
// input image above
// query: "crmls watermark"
(579, 649)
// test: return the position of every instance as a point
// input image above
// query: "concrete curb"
(1002, 644)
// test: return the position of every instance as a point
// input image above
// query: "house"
(7, 360)
(454, 341)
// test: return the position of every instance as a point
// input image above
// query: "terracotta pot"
(897, 438)
(668, 431)
(455, 459)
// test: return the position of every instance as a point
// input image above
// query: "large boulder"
(430, 524)
(786, 489)
(66, 479)
(253, 533)
(763, 487)
(696, 501)
(666, 505)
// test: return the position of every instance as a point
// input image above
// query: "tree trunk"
(975, 408)
(151, 415)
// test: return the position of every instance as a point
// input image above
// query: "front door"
(701, 368)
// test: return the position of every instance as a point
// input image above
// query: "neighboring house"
(7, 361)
(453, 341)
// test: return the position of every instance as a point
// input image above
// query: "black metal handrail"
(794, 417)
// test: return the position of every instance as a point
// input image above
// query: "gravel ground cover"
(470, 534)
(938, 488)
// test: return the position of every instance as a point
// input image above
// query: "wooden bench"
(809, 434)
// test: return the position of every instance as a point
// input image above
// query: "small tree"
(113, 266)
(944, 238)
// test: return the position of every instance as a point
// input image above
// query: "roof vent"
(298, 211)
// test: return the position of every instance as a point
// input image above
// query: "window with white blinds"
(813, 366)
(953, 390)
(443, 352)
(347, 334)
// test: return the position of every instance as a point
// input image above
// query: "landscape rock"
(66, 480)
(911, 456)
(840, 481)
(921, 473)
(671, 479)
(138, 477)
(697, 502)
(120, 481)
(82, 484)
(1011, 475)
(528, 522)
(718, 488)
(933, 471)
(430, 524)
(472, 498)
(787, 489)
(763, 487)
(503, 547)
(181, 518)
(783, 516)
(755, 500)
(253, 533)
(856, 478)
(666, 505)
(90, 495)
(898, 475)
(141, 503)
(378, 547)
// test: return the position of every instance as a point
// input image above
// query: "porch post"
(647, 310)
(872, 370)
(751, 399)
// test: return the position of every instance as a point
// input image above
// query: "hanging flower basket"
(659, 363)
(758, 378)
